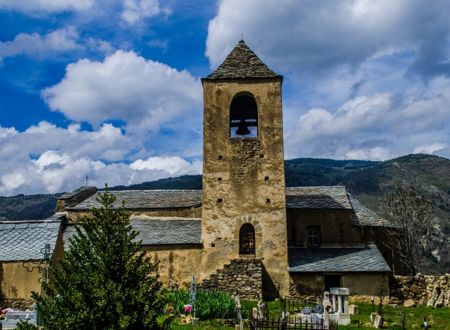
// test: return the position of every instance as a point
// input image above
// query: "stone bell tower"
(244, 207)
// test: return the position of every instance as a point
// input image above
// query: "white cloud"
(6, 132)
(378, 126)
(46, 158)
(430, 148)
(136, 10)
(174, 165)
(60, 41)
(142, 93)
(30, 6)
(316, 36)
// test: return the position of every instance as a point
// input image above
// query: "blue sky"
(111, 89)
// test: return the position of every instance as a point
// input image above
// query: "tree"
(413, 215)
(104, 280)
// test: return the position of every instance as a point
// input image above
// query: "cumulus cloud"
(136, 10)
(318, 36)
(54, 42)
(46, 5)
(172, 164)
(379, 126)
(47, 158)
(62, 40)
(142, 93)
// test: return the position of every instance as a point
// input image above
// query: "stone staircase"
(241, 277)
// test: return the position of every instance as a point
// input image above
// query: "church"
(245, 232)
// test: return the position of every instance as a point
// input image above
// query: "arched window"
(243, 116)
(313, 236)
(247, 239)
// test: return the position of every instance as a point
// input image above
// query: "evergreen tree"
(104, 280)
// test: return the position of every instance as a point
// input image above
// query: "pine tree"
(104, 280)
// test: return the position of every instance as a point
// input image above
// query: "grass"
(438, 319)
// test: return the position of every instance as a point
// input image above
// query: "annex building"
(245, 232)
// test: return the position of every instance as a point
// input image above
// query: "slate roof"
(147, 199)
(160, 230)
(362, 216)
(321, 197)
(24, 240)
(349, 259)
(242, 63)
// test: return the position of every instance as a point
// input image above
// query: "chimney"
(73, 198)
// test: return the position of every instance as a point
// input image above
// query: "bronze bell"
(242, 128)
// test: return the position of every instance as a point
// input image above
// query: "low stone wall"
(421, 289)
(241, 277)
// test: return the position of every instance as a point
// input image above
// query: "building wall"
(188, 212)
(247, 174)
(365, 284)
(16, 282)
(177, 264)
(335, 226)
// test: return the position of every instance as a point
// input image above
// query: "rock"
(394, 301)
(410, 303)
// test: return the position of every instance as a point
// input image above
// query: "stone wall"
(177, 264)
(243, 179)
(241, 277)
(16, 282)
(421, 289)
(359, 284)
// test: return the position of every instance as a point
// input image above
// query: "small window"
(243, 117)
(313, 237)
(247, 239)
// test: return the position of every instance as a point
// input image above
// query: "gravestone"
(378, 322)
(353, 309)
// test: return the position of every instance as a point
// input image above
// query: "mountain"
(27, 207)
(366, 180)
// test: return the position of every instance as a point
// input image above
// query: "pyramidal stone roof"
(242, 63)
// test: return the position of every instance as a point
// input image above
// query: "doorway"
(332, 281)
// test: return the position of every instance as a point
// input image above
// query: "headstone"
(378, 322)
(434, 297)
(440, 300)
(353, 309)
(255, 313)
(326, 317)
(339, 301)
(240, 325)
(372, 316)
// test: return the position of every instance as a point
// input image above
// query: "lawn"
(439, 318)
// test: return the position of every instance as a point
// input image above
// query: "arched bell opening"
(243, 116)
(247, 239)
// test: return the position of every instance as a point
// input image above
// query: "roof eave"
(237, 79)
(338, 271)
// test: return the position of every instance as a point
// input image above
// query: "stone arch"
(247, 239)
(243, 116)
